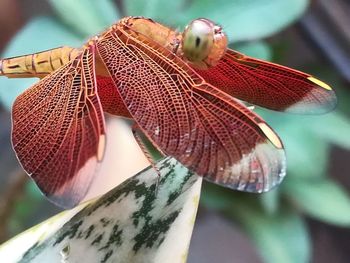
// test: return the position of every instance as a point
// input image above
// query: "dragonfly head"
(203, 43)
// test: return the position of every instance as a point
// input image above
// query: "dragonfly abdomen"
(37, 64)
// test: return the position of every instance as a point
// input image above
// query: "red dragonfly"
(179, 88)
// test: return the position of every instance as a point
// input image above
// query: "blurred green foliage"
(275, 221)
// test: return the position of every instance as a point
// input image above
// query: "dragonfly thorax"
(203, 43)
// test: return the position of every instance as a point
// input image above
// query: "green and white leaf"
(135, 222)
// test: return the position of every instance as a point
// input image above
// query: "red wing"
(58, 130)
(205, 129)
(110, 99)
(270, 85)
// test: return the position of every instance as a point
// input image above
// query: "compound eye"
(197, 41)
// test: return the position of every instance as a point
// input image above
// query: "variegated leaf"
(142, 220)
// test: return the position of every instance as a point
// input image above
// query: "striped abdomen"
(37, 64)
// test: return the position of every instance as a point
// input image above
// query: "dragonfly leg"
(145, 151)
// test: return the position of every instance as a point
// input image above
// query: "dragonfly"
(185, 91)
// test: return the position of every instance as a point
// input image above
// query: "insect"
(181, 89)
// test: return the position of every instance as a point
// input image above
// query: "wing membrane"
(270, 85)
(202, 127)
(58, 130)
(110, 99)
